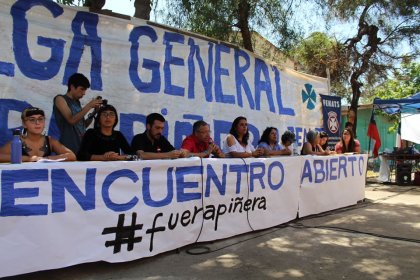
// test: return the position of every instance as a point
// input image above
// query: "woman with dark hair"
(269, 142)
(323, 140)
(103, 142)
(311, 146)
(35, 145)
(347, 143)
(236, 143)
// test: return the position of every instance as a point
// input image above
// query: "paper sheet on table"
(51, 160)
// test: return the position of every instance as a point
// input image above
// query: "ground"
(378, 238)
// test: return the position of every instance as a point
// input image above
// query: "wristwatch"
(131, 157)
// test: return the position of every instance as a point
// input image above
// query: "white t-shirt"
(237, 147)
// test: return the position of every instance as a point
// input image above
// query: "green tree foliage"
(319, 54)
(383, 28)
(406, 82)
(220, 19)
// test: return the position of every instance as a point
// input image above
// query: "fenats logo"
(333, 124)
(309, 95)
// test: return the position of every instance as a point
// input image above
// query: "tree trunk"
(362, 60)
(355, 88)
(142, 9)
(243, 24)
(94, 5)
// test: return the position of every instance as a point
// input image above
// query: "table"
(402, 163)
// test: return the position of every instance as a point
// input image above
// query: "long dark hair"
(266, 134)
(352, 144)
(323, 134)
(234, 131)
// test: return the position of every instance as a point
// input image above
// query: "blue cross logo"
(309, 95)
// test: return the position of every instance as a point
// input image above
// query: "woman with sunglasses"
(103, 142)
(35, 145)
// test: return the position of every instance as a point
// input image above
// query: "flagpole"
(370, 139)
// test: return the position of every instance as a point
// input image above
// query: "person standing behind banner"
(103, 142)
(236, 144)
(350, 125)
(269, 142)
(347, 143)
(199, 143)
(151, 144)
(35, 145)
(69, 114)
(311, 146)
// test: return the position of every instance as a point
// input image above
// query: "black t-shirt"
(142, 142)
(95, 143)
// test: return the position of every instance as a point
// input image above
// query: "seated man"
(199, 143)
(152, 144)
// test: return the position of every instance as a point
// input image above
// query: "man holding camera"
(69, 114)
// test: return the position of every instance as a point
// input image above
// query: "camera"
(104, 101)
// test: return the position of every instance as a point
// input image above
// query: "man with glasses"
(69, 113)
(103, 142)
(200, 144)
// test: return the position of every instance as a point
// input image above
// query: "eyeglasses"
(36, 120)
(108, 114)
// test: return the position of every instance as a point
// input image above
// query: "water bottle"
(16, 148)
(295, 151)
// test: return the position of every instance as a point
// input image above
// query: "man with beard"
(151, 144)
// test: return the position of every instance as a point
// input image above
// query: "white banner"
(56, 215)
(249, 194)
(409, 125)
(59, 214)
(140, 69)
(332, 182)
(283, 176)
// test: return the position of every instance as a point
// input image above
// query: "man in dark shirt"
(152, 144)
(199, 143)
